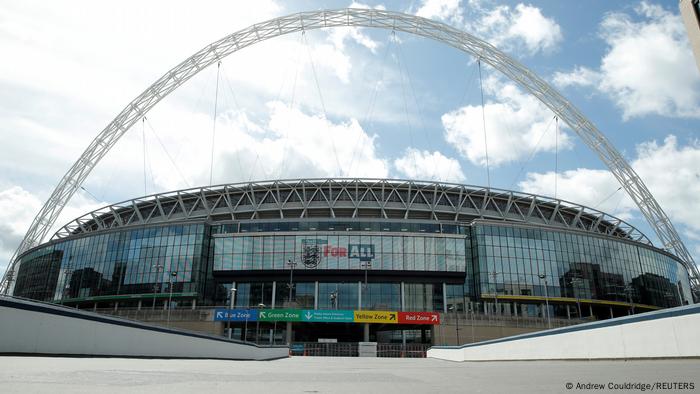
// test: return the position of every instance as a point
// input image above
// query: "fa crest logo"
(311, 252)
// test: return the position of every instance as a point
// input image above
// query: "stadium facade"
(405, 248)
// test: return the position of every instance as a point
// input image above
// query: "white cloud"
(509, 28)
(523, 26)
(648, 67)
(424, 165)
(581, 76)
(515, 127)
(590, 187)
(671, 172)
(17, 210)
(447, 10)
(297, 144)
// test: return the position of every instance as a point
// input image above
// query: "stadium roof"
(349, 199)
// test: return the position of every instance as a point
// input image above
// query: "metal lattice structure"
(350, 199)
(371, 18)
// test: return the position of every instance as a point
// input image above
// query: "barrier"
(30, 327)
(668, 333)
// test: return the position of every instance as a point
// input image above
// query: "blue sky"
(395, 106)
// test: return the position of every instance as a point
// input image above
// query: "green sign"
(279, 315)
(328, 316)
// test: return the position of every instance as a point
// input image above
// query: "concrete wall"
(28, 327)
(667, 333)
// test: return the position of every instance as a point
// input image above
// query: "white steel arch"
(412, 24)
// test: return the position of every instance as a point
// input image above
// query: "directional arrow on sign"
(262, 314)
(308, 315)
(392, 317)
(219, 315)
(434, 318)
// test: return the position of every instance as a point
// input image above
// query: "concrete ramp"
(669, 333)
(35, 328)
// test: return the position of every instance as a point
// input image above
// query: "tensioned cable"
(467, 88)
(607, 198)
(531, 155)
(153, 130)
(367, 118)
(291, 107)
(320, 96)
(90, 194)
(143, 142)
(213, 131)
(483, 118)
(556, 153)
(421, 118)
(405, 106)
(238, 108)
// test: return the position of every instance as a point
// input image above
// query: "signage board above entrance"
(326, 316)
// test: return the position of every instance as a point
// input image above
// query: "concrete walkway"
(330, 375)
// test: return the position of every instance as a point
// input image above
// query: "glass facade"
(448, 266)
(124, 262)
(517, 261)
(342, 252)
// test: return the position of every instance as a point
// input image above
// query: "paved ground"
(331, 375)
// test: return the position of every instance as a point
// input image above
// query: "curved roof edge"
(349, 198)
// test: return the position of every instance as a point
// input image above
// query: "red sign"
(419, 318)
(334, 251)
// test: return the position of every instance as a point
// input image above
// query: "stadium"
(405, 253)
(354, 260)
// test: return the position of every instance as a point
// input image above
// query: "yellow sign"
(376, 317)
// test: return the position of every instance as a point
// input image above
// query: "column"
(139, 306)
(611, 312)
(366, 334)
(274, 293)
(403, 297)
(289, 332)
(316, 295)
(444, 298)
(568, 312)
(590, 310)
(194, 304)
(359, 295)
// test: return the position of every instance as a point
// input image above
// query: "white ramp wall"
(28, 327)
(668, 333)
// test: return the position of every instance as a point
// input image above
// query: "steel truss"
(373, 18)
(350, 198)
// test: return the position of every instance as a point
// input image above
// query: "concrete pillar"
(139, 306)
(116, 305)
(611, 312)
(444, 297)
(366, 332)
(403, 297)
(194, 304)
(590, 310)
(274, 291)
(94, 307)
(289, 332)
(568, 312)
(316, 295)
(359, 295)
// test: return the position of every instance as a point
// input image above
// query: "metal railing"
(350, 349)
(397, 350)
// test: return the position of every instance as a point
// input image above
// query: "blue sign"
(297, 348)
(236, 315)
(327, 316)
(364, 252)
